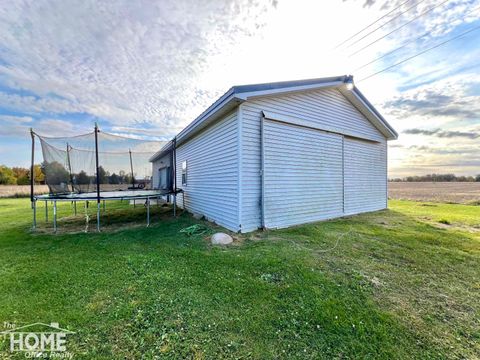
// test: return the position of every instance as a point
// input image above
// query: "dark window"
(184, 173)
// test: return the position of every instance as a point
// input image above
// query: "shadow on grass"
(114, 218)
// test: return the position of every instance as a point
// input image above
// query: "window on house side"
(184, 173)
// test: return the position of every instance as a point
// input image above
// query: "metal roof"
(238, 89)
(240, 93)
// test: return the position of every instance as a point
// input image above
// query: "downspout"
(343, 174)
(386, 174)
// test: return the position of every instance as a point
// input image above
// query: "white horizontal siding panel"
(325, 109)
(302, 175)
(212, 173)
(365, 176)
(156, 166)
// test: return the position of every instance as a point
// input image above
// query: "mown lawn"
(396, 284)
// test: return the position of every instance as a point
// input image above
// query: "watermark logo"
(38, 340)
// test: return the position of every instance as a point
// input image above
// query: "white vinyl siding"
(365, 176)
(212, 175)
(156, 166)
(327, 109)
(302, 175)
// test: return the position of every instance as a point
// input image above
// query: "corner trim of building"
(262, 170)
(239, 161)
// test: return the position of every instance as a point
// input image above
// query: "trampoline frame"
(121, 195)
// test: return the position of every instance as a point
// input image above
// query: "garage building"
(280, 154)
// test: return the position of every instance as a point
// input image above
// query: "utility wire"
(389, 21)
(420, 53)
(398, 28)
(368, 26)
(410, 41)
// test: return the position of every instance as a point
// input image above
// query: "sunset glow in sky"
(148, 68)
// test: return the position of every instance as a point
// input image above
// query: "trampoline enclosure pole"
(34, 207)
(148, 211)
(175, 165)
(32, 166)
(174, 176)
(32, 179)
(98, 179)
(55, 216)
(69, 167)
(98, 216)
(131, 168)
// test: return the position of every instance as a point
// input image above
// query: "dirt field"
(20, 190)
(11, 191)
(452, 192)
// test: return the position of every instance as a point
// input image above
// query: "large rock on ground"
(197, 216)
(221, 239)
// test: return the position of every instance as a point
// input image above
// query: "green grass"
(394, 284)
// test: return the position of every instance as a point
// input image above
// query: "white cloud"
(127, 62)
(161, 63)
(12, 126)
(446, 101)
(15, 119)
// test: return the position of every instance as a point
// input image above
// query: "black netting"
(69, 163)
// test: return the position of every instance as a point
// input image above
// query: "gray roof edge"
(376, 113)
(165, 149)
(232, 93)
(207, 112)
(239, 89)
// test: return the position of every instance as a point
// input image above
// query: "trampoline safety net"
(70, 163)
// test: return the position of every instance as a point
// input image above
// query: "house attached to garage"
(281, 154)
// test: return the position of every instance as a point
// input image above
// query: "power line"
(398, 28)
(421, 53)
(389, 21)
(368, 26)
(410, 41)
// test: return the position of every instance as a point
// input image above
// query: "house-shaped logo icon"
(37, 337)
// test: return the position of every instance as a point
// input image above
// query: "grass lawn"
(396, 284)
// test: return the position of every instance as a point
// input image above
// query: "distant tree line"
(57, 174)
(20, 175)
(438, 178)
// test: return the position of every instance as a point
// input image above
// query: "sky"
(148, 68)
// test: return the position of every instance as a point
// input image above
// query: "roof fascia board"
(158, 155)
(370, 112)
(214, 112)
(230, 96)
(285, 90)
(164, 150)
(212, 108)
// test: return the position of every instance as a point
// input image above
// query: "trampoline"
(99, 167)
(106, 195)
